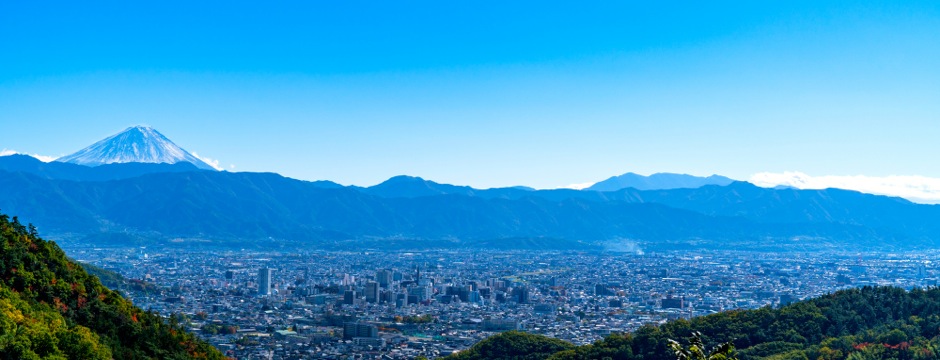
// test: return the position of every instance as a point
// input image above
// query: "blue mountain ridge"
(257, 207)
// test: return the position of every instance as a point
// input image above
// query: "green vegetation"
(698, 351)
(114, 281)
(855, 324)
(415, 319)
(213, 329)
(513, 345)
(51, 308)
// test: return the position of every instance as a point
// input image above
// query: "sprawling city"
(400, 305)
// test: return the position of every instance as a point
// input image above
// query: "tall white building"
(264, 281)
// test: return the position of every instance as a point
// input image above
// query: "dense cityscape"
(400, 305)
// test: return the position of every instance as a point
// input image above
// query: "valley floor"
(432, 303)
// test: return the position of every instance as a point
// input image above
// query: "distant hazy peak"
(141, 144)
(413, 186)
(404, 179)
(658, 181)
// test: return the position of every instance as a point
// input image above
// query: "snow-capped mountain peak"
(135, 144)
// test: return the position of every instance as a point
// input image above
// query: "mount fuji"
(138, 144)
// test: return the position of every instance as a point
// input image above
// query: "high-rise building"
(384, 277)
(421, 293)
(349, 297)
(372, 292)
(387, 297)
(264, 281)
(474, 297)
(521, 294)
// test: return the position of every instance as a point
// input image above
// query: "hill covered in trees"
(514, 345)
(864, 323)
(51, 308)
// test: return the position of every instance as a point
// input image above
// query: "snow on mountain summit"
(135, 144)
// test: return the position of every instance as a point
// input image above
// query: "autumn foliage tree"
(51, 308)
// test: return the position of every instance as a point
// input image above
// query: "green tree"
(697, 350)
(513, 345)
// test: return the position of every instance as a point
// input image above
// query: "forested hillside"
(51, 308)
(865, 323)
(236, 209)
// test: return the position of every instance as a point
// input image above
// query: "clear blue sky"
(485, 93)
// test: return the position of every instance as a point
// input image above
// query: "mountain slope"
(68, 171)
(409, 186)
(138, 144)
(658, 181)
(789, 205)
(256, 206)
(51, 308)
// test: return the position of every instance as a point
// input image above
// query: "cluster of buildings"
(400, 305)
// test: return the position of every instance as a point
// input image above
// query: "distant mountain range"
(68, 171)
(138, 202)
(240, 208)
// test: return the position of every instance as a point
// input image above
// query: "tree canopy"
(513, 345)
(861, 323)
(51, 308)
